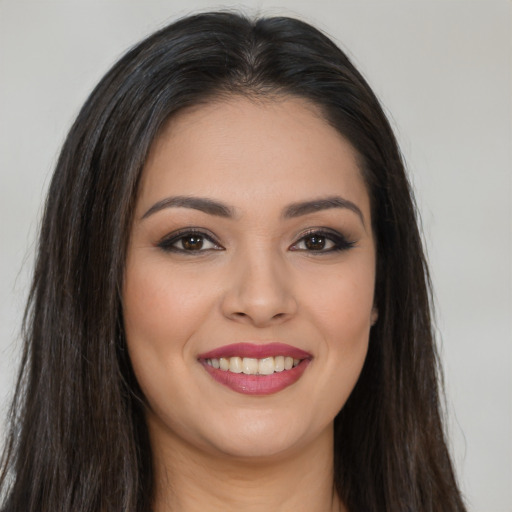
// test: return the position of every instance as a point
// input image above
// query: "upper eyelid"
(334, 235)
(320, 230)
(323, 230)
(189, 231)
(176, 235)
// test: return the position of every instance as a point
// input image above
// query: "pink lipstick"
(256, 351)
(256, 369)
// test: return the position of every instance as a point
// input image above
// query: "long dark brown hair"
(78, 439)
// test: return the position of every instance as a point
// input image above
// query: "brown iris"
(192, 242)
(315, 242)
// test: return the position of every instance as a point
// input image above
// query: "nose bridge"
(260, 289)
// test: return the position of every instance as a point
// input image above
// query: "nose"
(259, 291)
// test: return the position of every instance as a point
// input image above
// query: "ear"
(374, 316)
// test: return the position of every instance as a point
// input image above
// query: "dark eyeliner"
(341, 243)
(168, 241)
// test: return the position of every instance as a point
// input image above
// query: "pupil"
(193, 243)
(315, 242)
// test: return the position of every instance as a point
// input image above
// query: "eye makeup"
(322, 240)
(318, 241)
(189, 240)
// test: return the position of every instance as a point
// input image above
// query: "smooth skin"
(260, 265)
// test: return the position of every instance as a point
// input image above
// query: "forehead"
(244, 151)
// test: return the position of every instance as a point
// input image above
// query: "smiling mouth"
(255, 369)
(253, 366)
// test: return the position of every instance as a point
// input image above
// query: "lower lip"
(258, 384)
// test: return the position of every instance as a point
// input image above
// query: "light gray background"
(442, 69)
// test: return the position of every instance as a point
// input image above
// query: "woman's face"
(248, 294)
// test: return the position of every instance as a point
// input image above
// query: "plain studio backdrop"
(442, 70)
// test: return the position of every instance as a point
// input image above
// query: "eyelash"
(168, 243)
(340, 242)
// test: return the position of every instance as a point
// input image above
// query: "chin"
(261, 438)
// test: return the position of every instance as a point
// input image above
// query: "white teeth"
(266, 366)
(252, 366)
(279, 363)
(249, 365)
(235, 364)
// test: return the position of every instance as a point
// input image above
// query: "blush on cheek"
(348, 306)
(155, 302)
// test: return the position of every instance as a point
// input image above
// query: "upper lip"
(256, 351)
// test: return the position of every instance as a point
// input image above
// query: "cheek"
(161, 305)
(162, 309)
(341, 313)
(345, 327)
(342, 302)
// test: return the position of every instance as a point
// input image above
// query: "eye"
(322, 241)
(189, 241)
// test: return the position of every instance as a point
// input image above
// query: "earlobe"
(374, 316)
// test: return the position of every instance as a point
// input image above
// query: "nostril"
(240, 315)
(258, 309)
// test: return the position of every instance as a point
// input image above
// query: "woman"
(230, 307)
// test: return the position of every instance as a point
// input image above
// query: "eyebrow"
(219, 209)
(196, 203)
(306, 207)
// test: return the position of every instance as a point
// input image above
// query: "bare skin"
(275, 247)
(190, 481)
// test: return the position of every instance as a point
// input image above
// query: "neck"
(192, 480)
